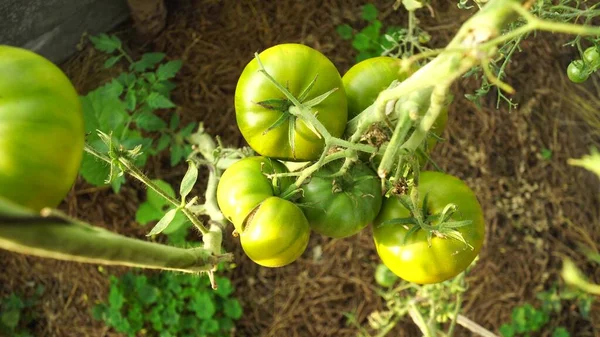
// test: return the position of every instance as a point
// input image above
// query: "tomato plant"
(264, 115)
(421, 259)
(576, 72)
(41, 130)
(366, 79)
(276, 233)
(341, 206)
(244, 185)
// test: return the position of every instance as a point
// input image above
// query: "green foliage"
(14, 316)
(564, 11)
(169, 304)
(126, 109)
(155, 207)
(546, 154)
(527, 320)
(371, 41)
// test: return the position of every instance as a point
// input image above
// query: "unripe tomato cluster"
(274, 217)
(579, 71)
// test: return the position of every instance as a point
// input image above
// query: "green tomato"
(342, 206)
(384, 276)
(366, 79)
(244, 185)
(412, 258)
(41, 130)
(276, 233)
(263, 112)
(576, 72)
(592, 57)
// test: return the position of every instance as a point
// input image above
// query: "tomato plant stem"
(55, 237)
(438, 98)
(139, 175)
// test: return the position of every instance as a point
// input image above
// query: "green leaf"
(560, 332)
(163, 223)
(412, 5)
(319, 99)
(224, 287)
(209, 326)
(202, 305)
(365, 54)
(99, 311)
(115, 299)
(147, 294)
(158, 101)
(130, 100)
(369, 12)
(135, 316)
(93, 170)
(187, 130)
(177, 153)
(163, 142)
(146, 213)
(156, 199)
(106, 43)
(226, 324)
(148, 60)
(361, 42)
(372, 32)
(104, 109)
(112, 61)
(507, 330)
(345, 31)
(232, 308)
(189, 180)
(174, 122)
(584, 304)
(10, 318)
(148, 121)
(168, 70)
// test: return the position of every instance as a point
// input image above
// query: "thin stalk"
(53, 237)
(137, 174)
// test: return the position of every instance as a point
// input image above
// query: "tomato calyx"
(439, 224)
(290, 108)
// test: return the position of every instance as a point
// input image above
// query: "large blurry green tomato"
(276, 234)
(41, 130)
(244, 185)
(262, 111)
(366, 79)
(415, 260)
(342, 206)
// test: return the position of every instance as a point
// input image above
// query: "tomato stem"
(62, 238)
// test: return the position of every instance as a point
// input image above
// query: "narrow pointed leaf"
(163, 223)
(424, 207)
(399, 221)
(312, 128)
(307, 90)
(277, 123)
(456, 224)
(405, 203)
(292, 135)
(319, 99)
(189, 180)
(275, 104)
(410, 232)
(457, 236)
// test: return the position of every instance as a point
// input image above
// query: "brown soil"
(537, 211)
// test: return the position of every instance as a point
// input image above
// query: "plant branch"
(55, 237)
